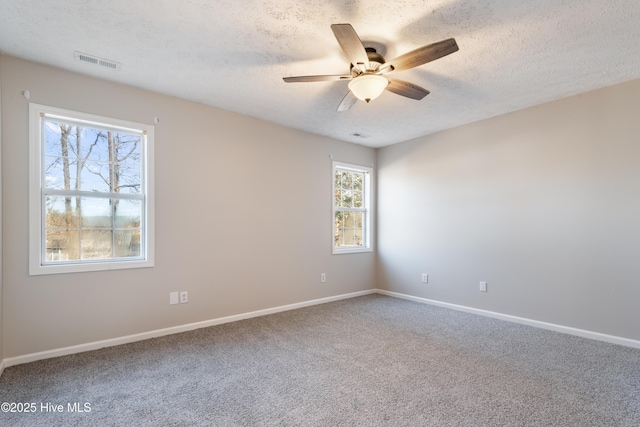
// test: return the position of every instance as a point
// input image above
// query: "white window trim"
(36, 229)
(366, 195)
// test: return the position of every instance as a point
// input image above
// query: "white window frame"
(366, 199)
(37, 266)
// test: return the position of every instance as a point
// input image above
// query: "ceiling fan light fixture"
(368, 68)
(368, 86)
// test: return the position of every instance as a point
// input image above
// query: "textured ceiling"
(232, 54)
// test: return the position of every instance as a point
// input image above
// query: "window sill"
(342, 251)
(36, 270)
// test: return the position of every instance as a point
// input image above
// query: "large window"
(91, 192)
(351, 208)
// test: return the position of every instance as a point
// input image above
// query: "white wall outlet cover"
(184, 297)
(483, 286)
(425, 278)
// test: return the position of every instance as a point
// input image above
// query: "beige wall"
(543, 204)
(243, 218)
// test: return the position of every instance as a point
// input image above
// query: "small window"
(351, 208)
(91, 192)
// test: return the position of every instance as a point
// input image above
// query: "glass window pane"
(339, 224)
(357, 219)
(346, 199)
(62, 245)
(348, 229)
(349, 236)
(96, 244)
(61, 212)
(346, 180)
(74, 144)
(97, 168)
(348, 219)
(52, 135)
(96, 213)
(60, 173)
(128, 148)
(127, 243)
(89, 144)
(94, 177)
(357, 181)
(60, 139)
(339, 220)
(357, 237)
(128, 179)
(357, 199)
(128, 213)
(339, 237)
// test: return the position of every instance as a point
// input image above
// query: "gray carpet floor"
(367, 361)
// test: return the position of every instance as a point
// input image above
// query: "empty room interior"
(320, 213)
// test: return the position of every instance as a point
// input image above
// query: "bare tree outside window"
(92, 186)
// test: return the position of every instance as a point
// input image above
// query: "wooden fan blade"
(347, 102)
(421, 55)
(351, 45)
(407, 89)
(326, 78)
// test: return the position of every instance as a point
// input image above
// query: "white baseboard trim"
(18, 360)
(1, 367)
(522, 320)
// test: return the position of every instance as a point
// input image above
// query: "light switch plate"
(173, 298)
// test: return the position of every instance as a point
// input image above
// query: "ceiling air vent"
(79, 56)
(359, 135)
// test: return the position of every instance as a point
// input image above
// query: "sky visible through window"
(93, 191)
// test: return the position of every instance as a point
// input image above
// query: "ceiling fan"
(368, 68)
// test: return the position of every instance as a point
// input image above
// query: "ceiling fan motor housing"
(375, 61)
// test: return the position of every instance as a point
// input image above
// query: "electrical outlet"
(173, 298)
(323, 277)
(483, 286)
(425, 278)
(184, 297)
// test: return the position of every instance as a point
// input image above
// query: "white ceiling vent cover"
(107, 63)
